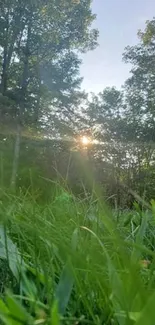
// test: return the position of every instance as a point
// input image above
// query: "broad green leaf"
(17, 312)
(55, 319)
(64, 288)
(147, 315)
(9, 251)
(4, 312)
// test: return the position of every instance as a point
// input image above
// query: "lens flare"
(85, 140)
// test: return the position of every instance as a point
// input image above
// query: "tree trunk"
(21, 113)
(16, 159)
(24, 81)
(37, 108)
(4, 62)
(4, 73)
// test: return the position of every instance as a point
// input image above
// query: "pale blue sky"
(118, 22)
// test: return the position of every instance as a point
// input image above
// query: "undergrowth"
(75, 262)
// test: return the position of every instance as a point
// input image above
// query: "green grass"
(75, 262)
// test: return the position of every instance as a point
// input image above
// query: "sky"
(118, 22)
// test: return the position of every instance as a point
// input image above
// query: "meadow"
(75, 261)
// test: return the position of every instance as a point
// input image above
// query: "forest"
(77, 173)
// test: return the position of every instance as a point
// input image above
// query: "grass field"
(75, 262)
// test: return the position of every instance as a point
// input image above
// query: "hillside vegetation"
(77, 173)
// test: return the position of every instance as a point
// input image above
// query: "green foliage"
(67, 257)
(40, 90)
(77, 272)
(38, 62)
(9, 251)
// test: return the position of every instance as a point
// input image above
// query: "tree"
(38, 40)
(140, 87)
(41, 36)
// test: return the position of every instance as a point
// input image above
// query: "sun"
(85, 140)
